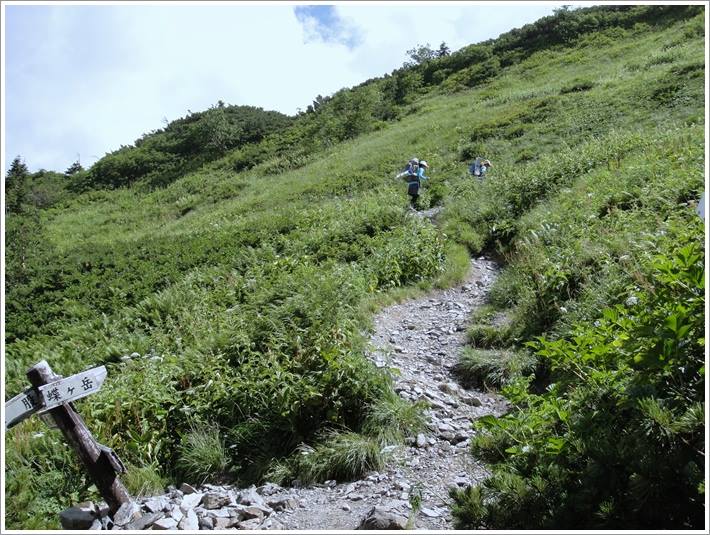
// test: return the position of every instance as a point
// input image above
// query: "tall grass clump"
(202, 454)
(391, 419)
(341, 456)
(493, 369)
(144, 480)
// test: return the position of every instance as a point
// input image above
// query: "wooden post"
(101, 462)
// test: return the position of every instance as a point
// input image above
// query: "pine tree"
(16, 186)
(443, 50)
(73, 169)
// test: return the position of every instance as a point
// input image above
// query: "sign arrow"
(20, 407)
(70, 388)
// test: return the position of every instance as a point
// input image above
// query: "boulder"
(80, 516)
(380, 518)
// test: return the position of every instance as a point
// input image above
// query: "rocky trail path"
(419, 342)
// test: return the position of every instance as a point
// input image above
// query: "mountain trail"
(418, 341)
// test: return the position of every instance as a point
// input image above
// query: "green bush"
(636, 460)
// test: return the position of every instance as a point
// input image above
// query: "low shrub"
(636, 460)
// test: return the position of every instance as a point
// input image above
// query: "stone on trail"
(225, 522)
(473, 401)
(380, 518)
(142, 522)
(269, 489)
(80, 516)
(213, 500)
(189, 522)
(191, 500)
(247, 512)
(165, 523)
(283, 504)
(253, 523)
(421, 440)
(186, 488)
(431, 513)
(154, 505)
(126, 513)
(250, 497)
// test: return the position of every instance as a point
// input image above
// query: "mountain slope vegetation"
(225, 270)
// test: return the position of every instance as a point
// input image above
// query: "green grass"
(202, 454)
(493, 369)
(339, 456)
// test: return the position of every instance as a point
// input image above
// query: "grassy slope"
(262, 278)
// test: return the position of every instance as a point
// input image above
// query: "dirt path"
(419, 341)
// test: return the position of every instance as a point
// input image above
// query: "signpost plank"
(101, 462)
(70, 388)
(20, 407)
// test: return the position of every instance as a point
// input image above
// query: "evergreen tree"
(16, 186)
(73, 169)
(443, 50)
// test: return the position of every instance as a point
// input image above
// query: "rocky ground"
(418, 341)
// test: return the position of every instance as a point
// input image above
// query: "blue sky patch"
(322, 23)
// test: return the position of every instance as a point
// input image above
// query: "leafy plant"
(635, 460)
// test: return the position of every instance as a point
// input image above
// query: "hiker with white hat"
(414, 181)
(479, 167)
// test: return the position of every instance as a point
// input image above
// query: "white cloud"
(89, 79)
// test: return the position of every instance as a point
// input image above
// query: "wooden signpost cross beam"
(55, 394)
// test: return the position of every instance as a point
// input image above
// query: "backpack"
(476, 168)
(412, 167)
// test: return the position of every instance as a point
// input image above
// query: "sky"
(81, 80)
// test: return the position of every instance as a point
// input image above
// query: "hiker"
(414, 181)
(479, 167)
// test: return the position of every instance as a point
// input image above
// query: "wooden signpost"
(53, 395)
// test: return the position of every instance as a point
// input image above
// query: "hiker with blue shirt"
(414, 181)
(479, 167)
